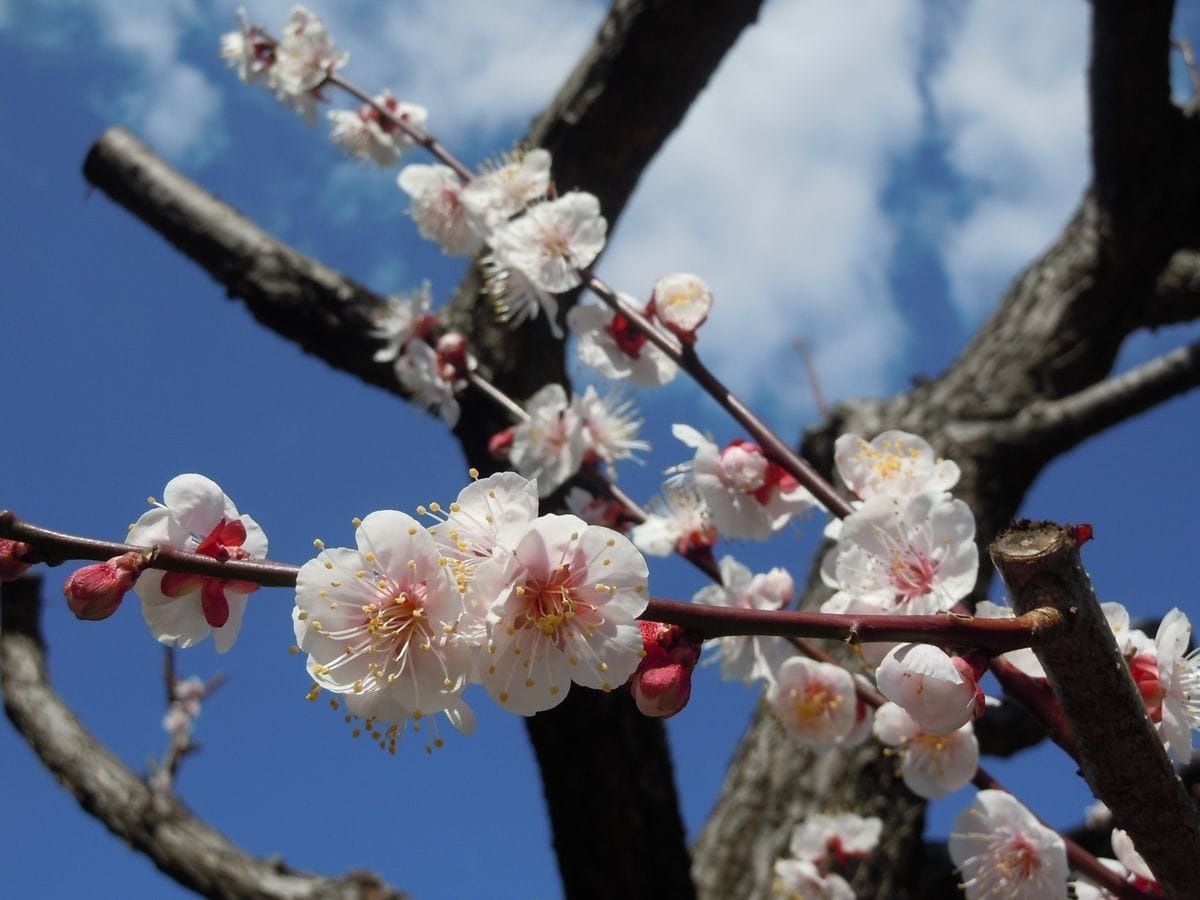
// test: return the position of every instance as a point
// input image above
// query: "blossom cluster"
(492, 593)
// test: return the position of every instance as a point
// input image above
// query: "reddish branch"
(996, 635)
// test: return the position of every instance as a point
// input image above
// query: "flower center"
(815, 701)
(550, 604)
(626, 336)
(912, 575)
(224, 542)
(1018, 858)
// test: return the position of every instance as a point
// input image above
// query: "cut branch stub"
(1120, 753)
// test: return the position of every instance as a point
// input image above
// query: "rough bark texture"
(1119, 751)
(152, 822)
(1126, 261)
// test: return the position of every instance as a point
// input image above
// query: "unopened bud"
(662, 684)
(94, 592)
(15, 558)
(681, 302)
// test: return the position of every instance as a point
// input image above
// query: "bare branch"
(1176, 295)
(322, 310)
(181, 845)
(1048, 428)
(1120, 753)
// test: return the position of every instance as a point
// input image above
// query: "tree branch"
(1176, 295)
(322, 310)
(157, 824)
(1119, 752)
(1049, 428)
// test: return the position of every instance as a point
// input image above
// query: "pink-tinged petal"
(233, 534)
(179, 584)
(213, 602)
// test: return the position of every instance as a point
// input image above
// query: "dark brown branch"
(157, 824)
(1176, 295)
(322, 310)
(1055, 426)
(1120, 753)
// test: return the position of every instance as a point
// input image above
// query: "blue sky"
(878, 228)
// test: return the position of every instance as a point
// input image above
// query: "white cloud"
(772, 192)
(180, 110)
(1011, 96)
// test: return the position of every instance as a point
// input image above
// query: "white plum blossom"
(939, 695)
(932, 765)
(1003, 851)
(437, 208)
(181, 609)
(567, 614)
(750, 657)
(915, 556)
(816, 702)
(368, 134)
(1023, 659)
(248, 50)
(304, 57)
(550, 446)
(610, 344)
(487, 520)
(682, 302)
(552, 241)
(747, 495)
(797, 879)
(514, 297)
(675, 521)
(1179, 681)
(823, 837)
(421, 374)
(378, 624)
(491, 199)
(895, 464)
(610, 427)
(400, 321)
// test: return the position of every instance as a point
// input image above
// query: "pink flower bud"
(15, 558)
(94, 592)
(662, 684)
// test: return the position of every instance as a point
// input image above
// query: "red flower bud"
(94, 592)
(662, 684)
(15, 558)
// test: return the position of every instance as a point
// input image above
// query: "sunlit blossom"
(567, 615)
(197, 516)
(1003, 851)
